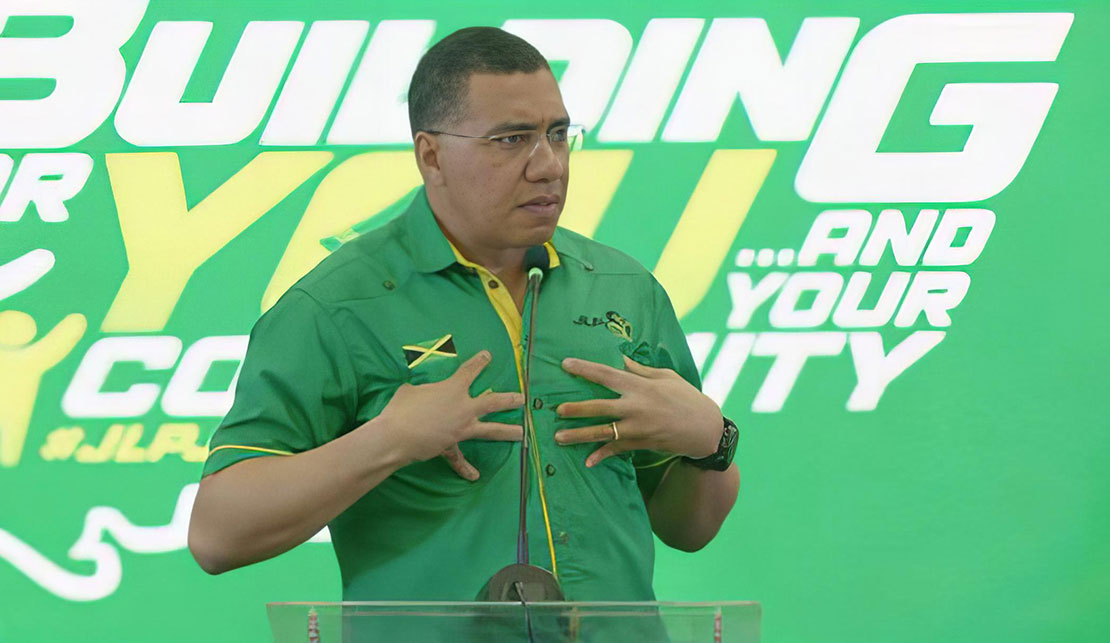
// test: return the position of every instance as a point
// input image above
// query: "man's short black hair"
(437, 93)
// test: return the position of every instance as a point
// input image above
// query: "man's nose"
(545, 163)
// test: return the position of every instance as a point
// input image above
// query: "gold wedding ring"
(616, 436)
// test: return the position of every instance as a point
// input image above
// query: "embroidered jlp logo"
(613, 320)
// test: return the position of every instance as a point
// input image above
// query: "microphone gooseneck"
(536, 262)
(522, 582)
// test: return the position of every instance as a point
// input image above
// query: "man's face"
(503, 194)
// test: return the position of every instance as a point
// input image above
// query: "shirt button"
(389, 285)
(563, 537)
(550, 469)
(493, 283)
(537, 403)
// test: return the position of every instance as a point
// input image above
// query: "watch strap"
(726, 450)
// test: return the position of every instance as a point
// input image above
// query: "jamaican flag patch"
(417, 354)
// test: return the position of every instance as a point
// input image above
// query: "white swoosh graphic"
(20, 273)
(101, 521)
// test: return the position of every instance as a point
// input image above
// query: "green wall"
(935, 469)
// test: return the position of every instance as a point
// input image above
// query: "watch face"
(730, 432)
(728, 440)
(722, 458)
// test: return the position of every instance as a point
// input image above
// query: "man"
(381, 396)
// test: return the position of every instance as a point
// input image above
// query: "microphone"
(522, 581)
(536, 263)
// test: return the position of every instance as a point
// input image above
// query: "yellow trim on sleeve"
(656, 464)
(246, 448)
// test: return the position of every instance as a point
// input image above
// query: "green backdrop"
(881, 229)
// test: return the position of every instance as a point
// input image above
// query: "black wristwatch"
(726, 449)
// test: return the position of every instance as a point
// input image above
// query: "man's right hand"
(433, 418)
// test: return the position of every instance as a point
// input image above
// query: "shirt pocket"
(434, 369)
(608, 491)
(488, 456)
(619, 464)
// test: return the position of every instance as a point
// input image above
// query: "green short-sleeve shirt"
(398, 304)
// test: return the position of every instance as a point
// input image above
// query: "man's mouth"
(547, 204)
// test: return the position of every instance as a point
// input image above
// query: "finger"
(468, 371)
(493, 402)
(607, 376)
(497, 431)
(590, 408)
(609, 449)
(455, 458)
(633, 366)
(597, 433)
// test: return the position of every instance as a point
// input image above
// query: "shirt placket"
(503, 304)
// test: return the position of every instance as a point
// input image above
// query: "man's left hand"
(657, 410)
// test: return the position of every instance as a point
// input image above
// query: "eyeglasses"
(563, 140)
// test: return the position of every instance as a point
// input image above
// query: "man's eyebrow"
(511, 127)
(519, 126)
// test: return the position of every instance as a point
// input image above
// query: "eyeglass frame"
(580, 137)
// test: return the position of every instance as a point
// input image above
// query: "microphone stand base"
(507, 585)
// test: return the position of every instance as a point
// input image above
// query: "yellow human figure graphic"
(22, 365)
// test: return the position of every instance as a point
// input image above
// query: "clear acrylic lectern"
(466, 622)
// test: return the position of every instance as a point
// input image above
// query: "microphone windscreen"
(536, 257)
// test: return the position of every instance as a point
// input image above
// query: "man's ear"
(426, 148)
